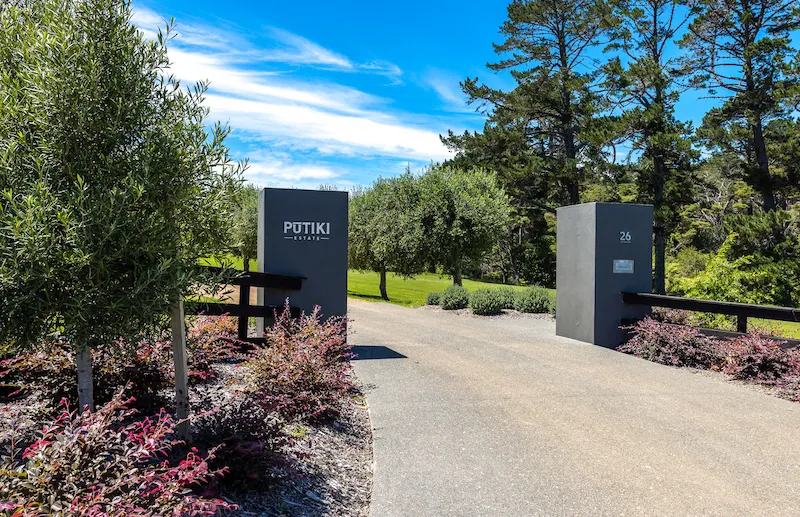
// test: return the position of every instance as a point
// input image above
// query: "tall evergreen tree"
(547, 50)
(646, 88)
(740, 50)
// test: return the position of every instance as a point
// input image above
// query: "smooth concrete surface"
(500, 417)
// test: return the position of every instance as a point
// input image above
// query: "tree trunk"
(246, 261)
(83, 361)
(457, 274)
(763, 181)
(178, 324)
(659, 230)
(659, 279)
(383, 284)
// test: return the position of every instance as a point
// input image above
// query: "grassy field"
(786, 329)
(413, 292)
(408, 292)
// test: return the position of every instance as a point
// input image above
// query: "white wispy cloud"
(276, 109)
(447, 87)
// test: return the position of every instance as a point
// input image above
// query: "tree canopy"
(112, 186)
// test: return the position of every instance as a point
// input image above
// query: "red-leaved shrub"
(302, 372)
(211, 339)
(672, 345)
(49, 369)
(98, 464)
(759, 359)
(146, 368)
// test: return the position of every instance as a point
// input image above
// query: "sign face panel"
(304, 233)
(623, 266)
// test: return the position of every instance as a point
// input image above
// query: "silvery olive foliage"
(112, 186)
(464, 213)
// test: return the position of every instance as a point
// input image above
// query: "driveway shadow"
(367, 352)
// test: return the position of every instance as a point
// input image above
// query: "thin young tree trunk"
(83, 361)
(181, 371)
(383, 284)
(246, 260)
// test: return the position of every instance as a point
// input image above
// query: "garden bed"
(276, 431)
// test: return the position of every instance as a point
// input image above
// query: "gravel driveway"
(499, 417)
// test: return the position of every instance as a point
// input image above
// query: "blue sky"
(337, 92)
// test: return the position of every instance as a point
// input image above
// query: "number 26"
(624, 236)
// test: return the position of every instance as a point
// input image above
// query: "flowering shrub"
(96, 464)
(485, 302)
(303, 370)
(672, 345)
(533, 299)
(454, 297)
(760, 359)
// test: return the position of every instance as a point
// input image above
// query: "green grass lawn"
(413, 292)
(787, 329)
(408, 292)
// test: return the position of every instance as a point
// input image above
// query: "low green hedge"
(454, 297)
(486, 302)
(534, 299)
(434, 298)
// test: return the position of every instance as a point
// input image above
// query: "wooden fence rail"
(742, 311)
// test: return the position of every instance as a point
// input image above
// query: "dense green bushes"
(454, 297)
(492, 301)
(533, 299)
(486, 302)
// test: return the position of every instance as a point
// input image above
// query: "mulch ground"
(332, 468)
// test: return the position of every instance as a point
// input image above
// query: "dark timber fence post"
(741, 324)
(244, 301)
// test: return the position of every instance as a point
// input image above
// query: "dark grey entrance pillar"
(602, 250)
(304, 233)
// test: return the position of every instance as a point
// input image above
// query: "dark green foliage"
(434, 298)
(486, 302)
(741, 50)
(386, 231)
(535, 300)
(454, 297)
(756, 264)
(646, 87)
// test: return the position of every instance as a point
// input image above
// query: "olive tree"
(386, 231)
(112, 185)
(245, 224)
(464, 213)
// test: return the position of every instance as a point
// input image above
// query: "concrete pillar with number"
(602, 250)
